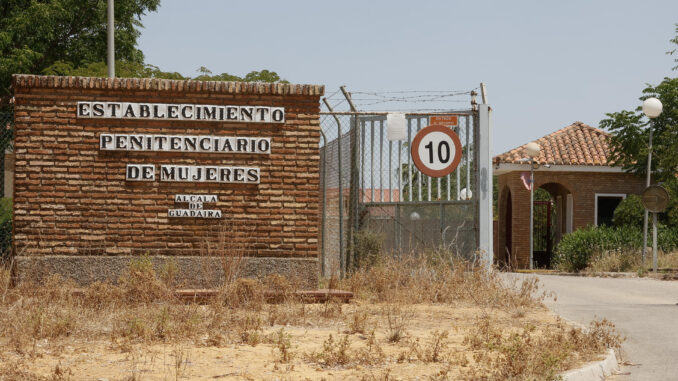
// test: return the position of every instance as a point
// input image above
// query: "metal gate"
(371, 187)
(408, 210)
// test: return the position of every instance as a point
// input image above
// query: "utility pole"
(111, 39)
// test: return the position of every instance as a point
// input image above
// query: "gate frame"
(482, 163)
(484, 183)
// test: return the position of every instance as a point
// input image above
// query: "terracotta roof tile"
(576, 144)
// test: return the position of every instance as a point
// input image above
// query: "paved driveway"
(644, 310)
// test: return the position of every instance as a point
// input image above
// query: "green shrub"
(667, 238)
(629, 212)
(576, 251)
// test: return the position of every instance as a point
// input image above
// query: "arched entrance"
(552, 206)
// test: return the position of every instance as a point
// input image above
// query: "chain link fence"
(6, 181)
(335, 185)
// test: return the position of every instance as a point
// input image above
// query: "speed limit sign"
(436, 150)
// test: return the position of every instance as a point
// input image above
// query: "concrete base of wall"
(191, 272)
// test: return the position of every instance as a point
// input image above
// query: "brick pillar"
(521, 222)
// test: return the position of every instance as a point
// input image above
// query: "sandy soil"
(111, 360)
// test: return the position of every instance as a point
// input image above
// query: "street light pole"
(652, 108)
(647, 184)
(532, 150)
(111, 39)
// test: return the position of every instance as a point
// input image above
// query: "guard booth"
(575, 186)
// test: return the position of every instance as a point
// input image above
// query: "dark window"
(606, 207)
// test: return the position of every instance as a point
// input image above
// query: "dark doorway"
(543, 234)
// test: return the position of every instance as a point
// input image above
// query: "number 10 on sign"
(436, 150)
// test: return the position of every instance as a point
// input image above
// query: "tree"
(127, 69)
(39, 36)
(68, 37)
(124, 69)
(630, 134)
(629, 212)
(253, 76)
(673, 51)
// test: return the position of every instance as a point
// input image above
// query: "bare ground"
(435, 321)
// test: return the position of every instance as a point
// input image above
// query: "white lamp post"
(652, 108)
(532, 150)
(396, 126)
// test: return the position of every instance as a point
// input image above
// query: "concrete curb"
(661, 275)
(595, 371)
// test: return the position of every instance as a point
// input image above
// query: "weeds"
(357, 322)
(531, 353)
(396, 319)
(333, 353)
(372, 353)
(629, 261)
(141, 284)
(140, 311)
(180, 362)
(437, 277)
(248, 328)
(284, 346)
(437, 345)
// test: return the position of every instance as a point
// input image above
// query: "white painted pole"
(111, 39)
(649, 173)
(485, 182)
(654, 242)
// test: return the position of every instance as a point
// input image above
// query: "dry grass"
(426, 315)
(630, 261)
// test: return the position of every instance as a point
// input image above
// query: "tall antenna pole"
(111, 40)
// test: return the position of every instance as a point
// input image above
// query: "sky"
(545, 64)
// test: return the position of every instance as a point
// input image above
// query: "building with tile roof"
(574, 167)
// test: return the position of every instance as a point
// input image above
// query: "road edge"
(595, 371)
(592, 371)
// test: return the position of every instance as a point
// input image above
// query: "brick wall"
(582, 185)
(70, 198)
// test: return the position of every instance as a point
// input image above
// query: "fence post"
(485, 242)
(323, 179)
(353, 216)
(342, 262)
(353, 199)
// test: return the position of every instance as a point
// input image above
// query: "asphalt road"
(644, 310)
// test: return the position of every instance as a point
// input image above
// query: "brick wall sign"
(199, 173)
